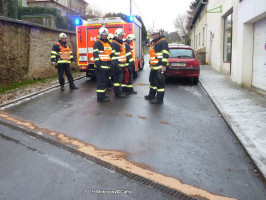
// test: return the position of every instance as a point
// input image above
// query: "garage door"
(259, 55)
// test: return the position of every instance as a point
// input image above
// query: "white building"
(231, 36)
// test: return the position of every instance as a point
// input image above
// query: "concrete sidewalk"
(243, 109)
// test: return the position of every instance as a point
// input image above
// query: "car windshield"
(181, 53)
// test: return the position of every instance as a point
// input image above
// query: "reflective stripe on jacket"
(105, 55)
(118, 53)
(64, 53)
(159, 53)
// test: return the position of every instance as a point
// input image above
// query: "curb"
(227, 120)
(21, 99)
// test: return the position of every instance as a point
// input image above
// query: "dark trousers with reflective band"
(118, 75)
(130, 80)
(123, 84)
(64, 67)
(156, 85)
(102, 77)
(110, 83)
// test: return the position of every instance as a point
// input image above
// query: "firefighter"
(130, 65)
(101, 54)
(159, 54)
(118, 61)
(110, 83)
(61, 57)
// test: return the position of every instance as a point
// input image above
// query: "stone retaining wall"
(25, 50)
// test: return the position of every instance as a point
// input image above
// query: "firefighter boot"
(106, 99)
(157, 101)
(132, 92)
(149, 97)
(72, 86)
(122, 95)
(62, 87)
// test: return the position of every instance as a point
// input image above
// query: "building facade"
(232, 33)
(72, 7)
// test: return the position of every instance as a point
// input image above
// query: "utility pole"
(130, 7)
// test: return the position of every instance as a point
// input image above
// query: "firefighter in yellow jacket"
(61, 57)
(130, 65)
(119, 59)
(159, 54)
(101, 54)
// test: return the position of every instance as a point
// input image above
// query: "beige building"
(231, 36)
(73, 7)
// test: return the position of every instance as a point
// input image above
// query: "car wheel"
(196, 80)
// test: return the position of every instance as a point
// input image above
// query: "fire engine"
(87, 34)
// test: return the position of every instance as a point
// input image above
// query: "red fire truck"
(87, 34)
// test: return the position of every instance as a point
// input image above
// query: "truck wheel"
(93, 78)
(87, 74)
(135, 74)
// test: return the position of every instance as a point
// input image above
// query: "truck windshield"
(181, 53)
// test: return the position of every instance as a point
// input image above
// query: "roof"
(199, 7)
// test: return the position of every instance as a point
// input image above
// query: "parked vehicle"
(183, 62)
(87, 34)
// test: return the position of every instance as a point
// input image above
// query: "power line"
(140, 12)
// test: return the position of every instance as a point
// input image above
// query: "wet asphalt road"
(185, 138)
(32, 169)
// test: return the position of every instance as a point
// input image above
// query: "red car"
(183, 62)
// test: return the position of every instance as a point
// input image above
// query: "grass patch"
(22, 84)
(4, 89)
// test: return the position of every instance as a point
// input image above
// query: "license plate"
(83, 58)
(178, 64)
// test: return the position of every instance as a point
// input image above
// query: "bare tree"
(92, 12)
(180, 24)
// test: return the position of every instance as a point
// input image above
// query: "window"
(203, 36)
(196, 42)
(228, 25)
(181, 53)
(199, 39)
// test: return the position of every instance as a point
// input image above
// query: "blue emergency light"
(131, 18)
(78, 21)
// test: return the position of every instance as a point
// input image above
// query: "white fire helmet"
(103, 31)
(119, 31)
(62, 35)
(155, 30)
(110, 37)
(131, 37)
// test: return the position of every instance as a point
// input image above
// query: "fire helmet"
(110, 37)
(119, 31)
(103, 31)
(62, 35)
(155, 30)
(131, 37)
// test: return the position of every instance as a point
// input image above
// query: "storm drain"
(157, 186)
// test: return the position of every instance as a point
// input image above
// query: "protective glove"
(132, 66)
(98, 67)
(161, 75)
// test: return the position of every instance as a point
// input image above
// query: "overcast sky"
(160, 12)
